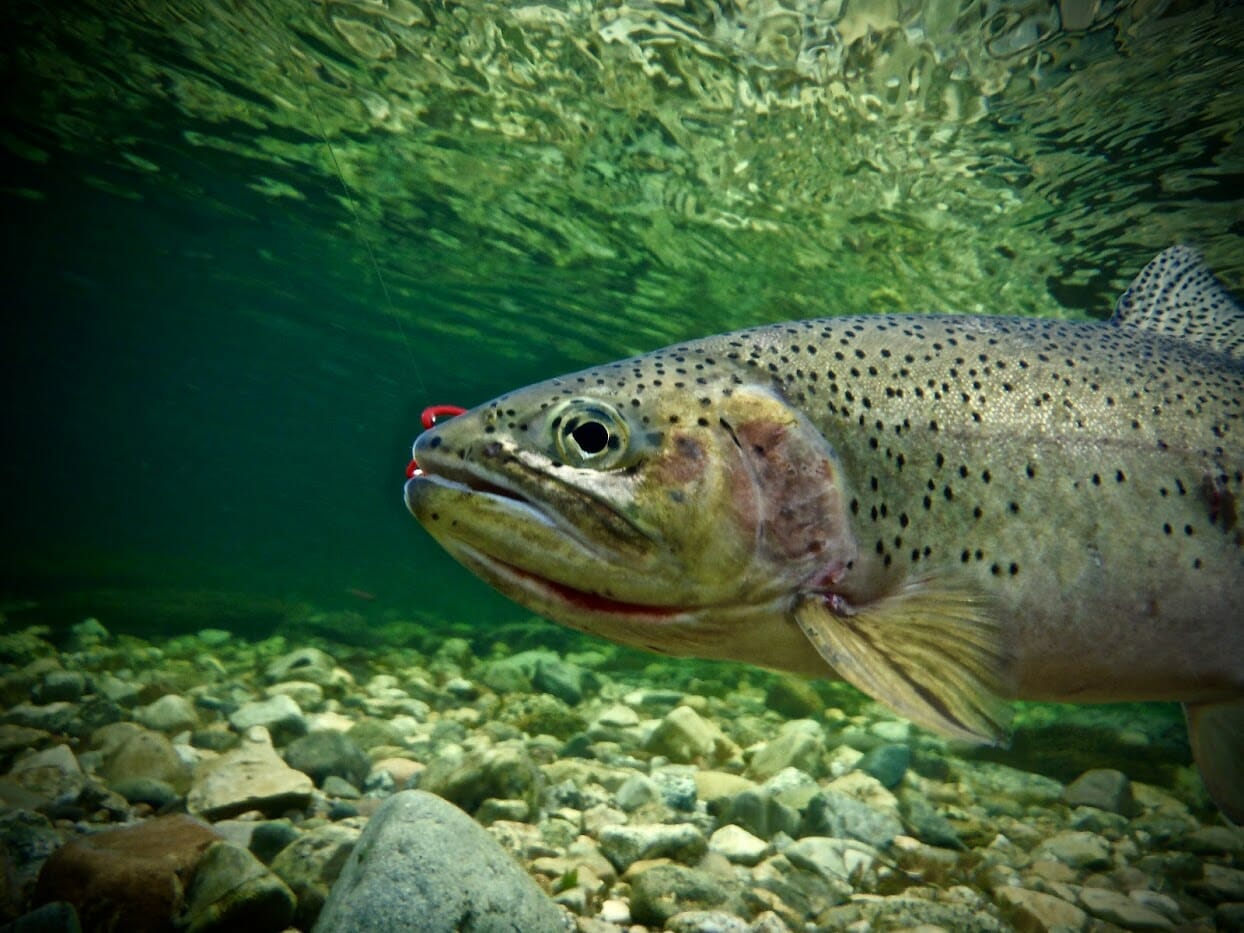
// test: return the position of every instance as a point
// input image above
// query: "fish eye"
(587, 432)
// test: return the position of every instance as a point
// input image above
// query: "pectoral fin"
(932, 653)
(1216, 733)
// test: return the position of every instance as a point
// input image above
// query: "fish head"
(663, 519)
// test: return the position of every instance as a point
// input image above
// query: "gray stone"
(170, 713)
(423, 864)
(270, 837)
(251, 777)
(339, 787)
(279, 714)
(737, 845)
(800, 744)
(1120, 909)
(887, 763)
(925, 823)
(26, 840)
(1076, 848)
(625, 845)
(706, 921)
(831, 813)
(638, 790)
(304, 664)
(151, 791)
(57, 717)
(311, 865)
(1103, 788)
(505, 771)
(324, 753)
(676, 784)
(233, 890)
(793, 697)
(1220, 883)
(757, 811)
(52, 775)
(58, 685)
(564, 680)
(833, 859)
(1214, 840)
(686, 737)
(128, 751)
(663, 891)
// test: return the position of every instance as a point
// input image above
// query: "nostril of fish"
(491, 450)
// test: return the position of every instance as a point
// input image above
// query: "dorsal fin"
(1177, 296)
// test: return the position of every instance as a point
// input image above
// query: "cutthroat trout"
(948, 512)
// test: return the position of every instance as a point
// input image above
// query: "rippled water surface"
(247, 242)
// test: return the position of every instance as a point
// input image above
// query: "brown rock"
(1034, 912)
(129, 879)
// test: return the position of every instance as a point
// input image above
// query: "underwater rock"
(278, 714)
(706, 921)
(1036, 912)
(308, 695)
(58, 717)
(1077, 849)
(684, 736)
(793, 697)
(307, 663)
(759, 812)
(268, 838)
(321, 754)
(155, 793)
(800, 743)
(831, 813)
(251, 777)
(27, 839)
(659, 893)
(737, 845)
(60, 685)
(1103, 788)
(835, 859)
(233, 890)
(638, 791)
(127, 751)
(131, 878)
(311, 865)
(170, 713)
(1120, 909)
(625, 845)
(504, 771)
(52, 776)
(887, 763)
(423, 864)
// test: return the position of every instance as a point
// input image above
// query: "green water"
(246, 244)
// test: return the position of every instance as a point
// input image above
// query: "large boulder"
(423, 864)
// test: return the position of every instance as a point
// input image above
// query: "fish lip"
(512, 500)
(581, 601)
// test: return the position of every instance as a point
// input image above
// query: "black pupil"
(591, 436)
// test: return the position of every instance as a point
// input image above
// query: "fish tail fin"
(1216, 733)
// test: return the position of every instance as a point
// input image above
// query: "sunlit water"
(247, 243)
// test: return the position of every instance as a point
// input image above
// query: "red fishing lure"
(428, 417)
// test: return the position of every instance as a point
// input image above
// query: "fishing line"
(358, 231)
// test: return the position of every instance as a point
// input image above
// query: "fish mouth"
(504, 535)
